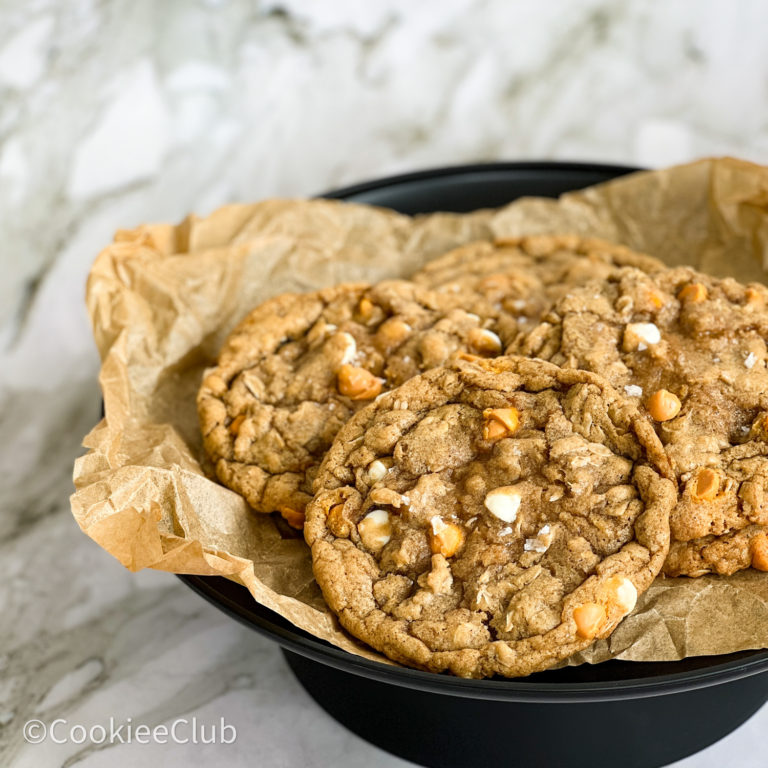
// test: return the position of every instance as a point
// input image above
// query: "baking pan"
(635, 715)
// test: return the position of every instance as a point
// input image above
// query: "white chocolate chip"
(437, 524)
(375, 529)
(639, 336)
(485, 340)
(623, 592)
(750, 360)
(377, 470)
(506, 530)
(503, 503)
(633, 390)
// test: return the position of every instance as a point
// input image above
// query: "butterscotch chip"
(754, 296)
(393, 332)
(357, 383)
(496, 546)
(337, 521)
(590, 619)
(293, 517)
(445, 538)
(500, 422)
(366, 308)
(722, 554)
(234, 427)
(663, 405)
(656, 298)
(707, 485)
(699, 363)
(300, 365)
(692, 292)
(493, 430)
(759, 550)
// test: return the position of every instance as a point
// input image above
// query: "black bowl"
(616, 713)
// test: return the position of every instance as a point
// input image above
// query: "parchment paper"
(162, 299)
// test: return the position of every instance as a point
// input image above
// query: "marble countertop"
(143, 648)
(114, 112)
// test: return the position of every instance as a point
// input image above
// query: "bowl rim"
(294, 640)
(224, 594)
(610, 170)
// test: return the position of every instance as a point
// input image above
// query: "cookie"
(735, 551)
(525, 276)
(490, 517)
(692, 349)
(300, 365)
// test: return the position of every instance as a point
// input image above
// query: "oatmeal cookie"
(300, 365)
(490, 517)
(692, 349)
(526, 275)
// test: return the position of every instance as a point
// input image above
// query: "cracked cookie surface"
(490, 517)
(525, 276)
(692, 349)
(298, 366)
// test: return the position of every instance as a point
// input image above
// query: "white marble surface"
(113, 112)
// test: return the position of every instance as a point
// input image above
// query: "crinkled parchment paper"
(162, 298)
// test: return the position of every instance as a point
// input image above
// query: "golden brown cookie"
(692, 349)
(490, 517)
(525, 276)
(300, 365)
(726, 554)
